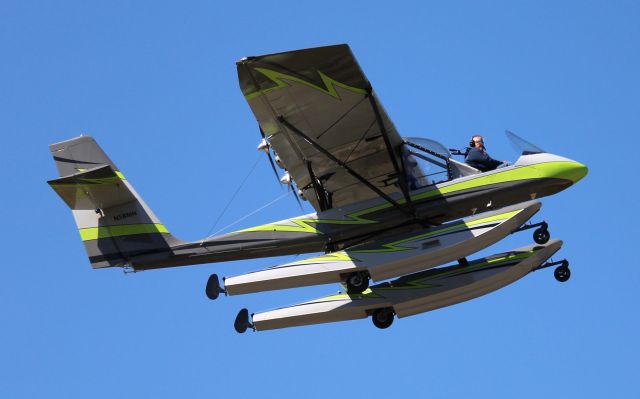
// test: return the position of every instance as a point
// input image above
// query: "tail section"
(115, 224)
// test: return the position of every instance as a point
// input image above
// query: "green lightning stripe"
(462, 226)
(347, 256)
(279, 79)
(94, 233)
(339, 256)
(301, 225)
(424, 282)
(365, 294)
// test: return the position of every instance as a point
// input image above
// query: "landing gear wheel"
(383, 318)
(562, 273)
(213, 287)
(357, 282)
(541, 236)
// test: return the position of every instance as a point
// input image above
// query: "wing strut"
(322, 196)
(352, 172)
(400, 172)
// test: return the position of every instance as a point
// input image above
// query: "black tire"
(213, 287)
(541, 236)
(383, 318)
(562, 273)
(357, 282)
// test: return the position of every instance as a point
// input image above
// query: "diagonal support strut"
(352, 172)
(400, 172)
(321, 193)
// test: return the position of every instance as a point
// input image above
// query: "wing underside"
(318, 111)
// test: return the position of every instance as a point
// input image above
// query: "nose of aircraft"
(574, 171)
(557, 167)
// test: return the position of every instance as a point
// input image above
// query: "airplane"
(385, 206)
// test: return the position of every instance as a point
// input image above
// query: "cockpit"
(428, 162)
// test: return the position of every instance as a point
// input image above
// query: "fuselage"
(532, 176)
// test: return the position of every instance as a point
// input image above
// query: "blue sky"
(155, 83)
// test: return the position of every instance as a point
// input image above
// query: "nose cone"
(572, 171)
(556, 167)
(576, 171)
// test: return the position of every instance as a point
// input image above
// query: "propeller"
(294, 191)
(287, 180)
(265, 147)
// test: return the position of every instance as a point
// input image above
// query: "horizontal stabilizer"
(98, 188)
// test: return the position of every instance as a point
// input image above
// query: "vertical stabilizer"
(114, 223)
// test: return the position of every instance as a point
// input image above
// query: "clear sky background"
(155, 83)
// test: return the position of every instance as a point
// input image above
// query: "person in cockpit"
(478, 157)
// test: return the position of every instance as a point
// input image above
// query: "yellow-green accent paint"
(301, 225)
(365, 294)
(556, 169)
(348, 255)
(395, 246)
(94, 233)
(423, 283)
(279, 79)
(338, 256)
(120, 175)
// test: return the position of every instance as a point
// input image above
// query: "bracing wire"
(233, 197)
(250, 214)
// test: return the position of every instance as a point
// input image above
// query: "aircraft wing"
(317, 109)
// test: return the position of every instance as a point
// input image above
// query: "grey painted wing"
(323, 93)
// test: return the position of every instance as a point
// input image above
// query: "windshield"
(425, 161)
(427, 145)
(428, 162)
(523, 146)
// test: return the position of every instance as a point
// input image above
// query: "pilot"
(478, 157)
